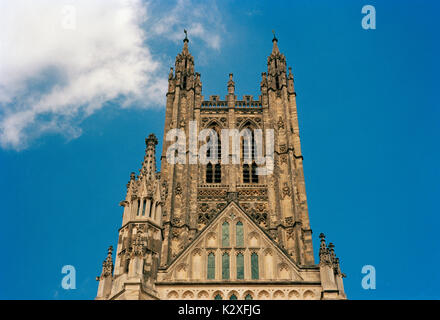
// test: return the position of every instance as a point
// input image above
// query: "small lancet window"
(246, 177)
(151, 209)
(239, 238)
(218, 297)
(254, 266)
(254, 173)
(211, 266)
(218, 173)
(240, 266)
(233, 297)
(138, 206)
(225, 266)
(248, 297)
(225, 234)
(209, 173)
(144, 205)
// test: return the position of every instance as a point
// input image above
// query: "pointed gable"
(232, 247)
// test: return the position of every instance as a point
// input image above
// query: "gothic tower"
(217, 229)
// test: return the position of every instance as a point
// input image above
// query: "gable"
(235, 248)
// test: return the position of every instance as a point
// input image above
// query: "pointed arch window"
(254, 175)
(248, 297)
(225, 266)
(218, 173)
(218, 297)
(248, 145)
(254, 266)
(233, 297)
(211, 266)
(144, 205)
(209, 173)
(246, 175)
(240, 266)
(249, 172)
(225, 234)
(151, 208)
(138, 206)
(239, 237)
(214, 173)
(127, 265)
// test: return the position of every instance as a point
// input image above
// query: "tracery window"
(240, 266)
(211, 266)
(225, 266)
(225, 234)
(239, 237)
(254, 266)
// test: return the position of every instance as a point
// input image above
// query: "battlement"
(247, 102)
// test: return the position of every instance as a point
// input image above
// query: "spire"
(324, 253)
(275, 43)
(149, 164)
(107, 265)
(231, 85)
(185, 42)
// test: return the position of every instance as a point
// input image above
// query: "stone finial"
(274, 37)
(290, 73)
(171, 74)
(107, 265)
(231, 82)
(186, 36)
(151, 140)
(324, 254)
(275, 43)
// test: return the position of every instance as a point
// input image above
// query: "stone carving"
(286, 190)
(289, 221)
(178, 189)
(280, 123)
(139, 245)
(107, 265)
(211, 194)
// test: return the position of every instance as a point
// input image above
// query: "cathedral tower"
(217, 229)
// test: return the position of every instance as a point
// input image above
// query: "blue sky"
(369, 119)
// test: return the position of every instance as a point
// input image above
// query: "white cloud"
(202, 20)
(62, 61)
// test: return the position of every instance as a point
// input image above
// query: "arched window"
(225, 234)
(211, 266)
(248, 152)
(144, 204)
(127, 265)
(240, 266)
(218, 173)
(218, 297)
(248, 143)
(254, 173)
(246, 178)
(239, 237)
(233, 297)
(254, 266)
(209, 173)
(219, 144)
(248, 297)
(151, 208)
(225, 266)
(139, 206)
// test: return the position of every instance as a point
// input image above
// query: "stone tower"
(218, 229)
